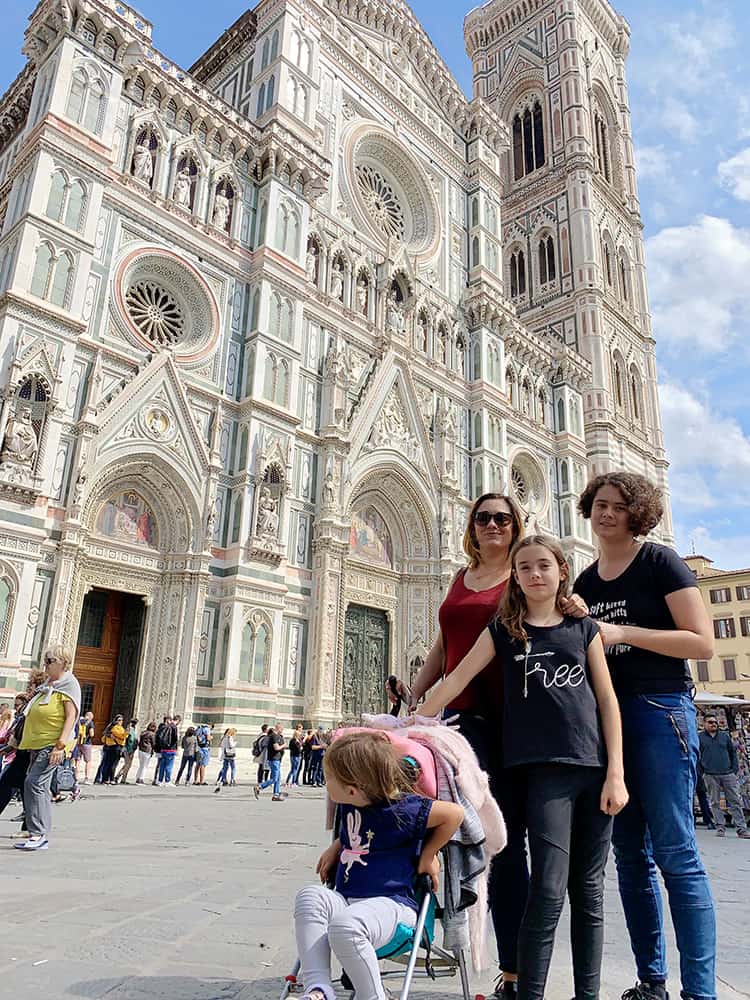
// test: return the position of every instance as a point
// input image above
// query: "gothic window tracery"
(87, 99)
(546, 254)
(288, 230)
(109, 46)
(381, 200)
(511, 386)
(517, 265)
(88, 32)
(528, 140)
(601, 140)
(138, 89)
(255, 650)
(624, 272)
(52, 275)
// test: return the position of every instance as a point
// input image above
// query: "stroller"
(412, 949)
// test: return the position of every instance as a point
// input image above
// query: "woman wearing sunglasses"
(494, 525)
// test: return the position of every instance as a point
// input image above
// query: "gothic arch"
(393, 486)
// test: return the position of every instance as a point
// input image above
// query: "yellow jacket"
(116, 737)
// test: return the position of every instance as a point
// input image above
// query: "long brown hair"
(371, 763)
(471, 546)
(513, 608)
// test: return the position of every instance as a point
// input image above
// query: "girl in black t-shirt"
(557, 701)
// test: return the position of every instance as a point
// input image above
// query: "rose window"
(381, 201)
(155, 313)
(520, 486)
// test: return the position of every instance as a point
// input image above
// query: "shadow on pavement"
(174, 988)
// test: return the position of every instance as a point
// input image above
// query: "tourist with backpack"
(167, 739)
(202, 752)
(128, 753)
(260, 753)
(82, 751)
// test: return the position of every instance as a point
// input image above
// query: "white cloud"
(734, 175)
(677, 118)
(698, 284)
(730, 550)
(652, 162)
(709, 452)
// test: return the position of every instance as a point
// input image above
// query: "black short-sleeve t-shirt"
(550, 713)
(275, 744)
(637, 597)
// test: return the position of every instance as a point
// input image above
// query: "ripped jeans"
(655, 832)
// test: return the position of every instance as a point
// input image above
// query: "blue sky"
(690, 103)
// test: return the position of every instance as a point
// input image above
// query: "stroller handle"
(423, 884)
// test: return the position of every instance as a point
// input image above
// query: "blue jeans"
(166, 763)
(274, 766)
(657, 830)
(293, 776)
(227, 765)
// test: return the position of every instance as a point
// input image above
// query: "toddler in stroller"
(389, 835)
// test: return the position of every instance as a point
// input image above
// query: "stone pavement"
(181, 894)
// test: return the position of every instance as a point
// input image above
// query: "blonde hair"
(471, 545)
(60, 653)
(371, 763)
(6, 713)
(513, 607)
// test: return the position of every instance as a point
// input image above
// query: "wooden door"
(97, 653)
(366, 661)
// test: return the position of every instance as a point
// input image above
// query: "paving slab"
(182, 894)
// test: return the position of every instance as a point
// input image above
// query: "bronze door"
(366, 662)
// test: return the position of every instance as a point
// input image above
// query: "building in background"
(726, 594)
(269, 324)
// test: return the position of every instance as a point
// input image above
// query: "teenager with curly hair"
(652, 619)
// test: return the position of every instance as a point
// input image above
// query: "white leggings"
(324, 921)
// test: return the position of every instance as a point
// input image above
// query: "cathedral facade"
(268, 325)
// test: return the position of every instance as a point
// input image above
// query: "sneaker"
(710, 826)
(87, 782)
(646, 991)
(743, 834)
(256, 791)
(277, 798)
(18, 819)
(75, 794)
(217, 789)
(138, 782)
(721, 832)
(504, 989)
(33, 844)
(313, 995)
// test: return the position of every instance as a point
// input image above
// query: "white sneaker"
(33, 844)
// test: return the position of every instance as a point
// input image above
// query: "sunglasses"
(50, 659)
(501, 518)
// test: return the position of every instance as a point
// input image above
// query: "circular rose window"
(163, 303)
(528, 485)
(391, 191)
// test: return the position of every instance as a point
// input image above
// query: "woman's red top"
(463, 616)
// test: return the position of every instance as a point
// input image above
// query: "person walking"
(276, 748)
(260, 753)
(82, 751)
(652, 619)
(48, 733)
(295, 756)
(128, 753)
(166, 744)
(202, 752)
(228, 752)
(189, 746)
(146, 745)
(720, 767)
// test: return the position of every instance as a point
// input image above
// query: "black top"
(718, 753)
(295, 747)
(637, 597)
(549, 708)
(275, 742)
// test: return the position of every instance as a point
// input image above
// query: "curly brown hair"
(644, 500)
(471, 546)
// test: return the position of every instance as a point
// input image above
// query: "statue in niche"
(445, 532)
(337, 282)
(182, 189)
(20, 443)
(362, 294)
(78, 489)
(143, 162)
(213, 513)
(268, 516)
(221, 210)
(311, 265)
(394, 314)
(329, 490)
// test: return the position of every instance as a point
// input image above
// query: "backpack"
(201, 737)
(257, 748)
(65, 778)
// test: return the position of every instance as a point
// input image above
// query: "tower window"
(517, 274)
(528, 141)
(546, 260)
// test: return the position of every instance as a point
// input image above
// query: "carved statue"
(445, 532)
(20, 444)
(329, 490)
(213, 513)
(311, 265)
(268, 517)
(80, 486)
(394, 314)
(182, 185)
(337, 284)
(221, 211)
(445, 420)
(362, 295)
(143, 163)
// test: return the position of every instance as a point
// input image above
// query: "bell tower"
(554, 70)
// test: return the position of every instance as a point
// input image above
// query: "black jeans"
(509, 874)
(569, 840)
(13, 777)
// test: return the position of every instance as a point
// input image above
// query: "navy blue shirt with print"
(550, 712)
(380, 847)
